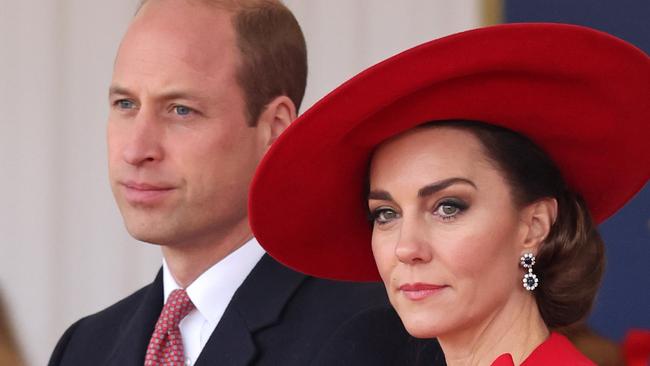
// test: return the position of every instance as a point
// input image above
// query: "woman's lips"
(420, 291)
(144, 193)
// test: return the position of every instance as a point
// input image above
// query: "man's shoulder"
(122, 309)
(376, 336)
(325, 322)
(369, 331)
(93, 337)
(350, 323)
(111, 317)
(344, 294)
(303, 293)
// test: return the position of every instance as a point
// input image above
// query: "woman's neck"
(516, 328)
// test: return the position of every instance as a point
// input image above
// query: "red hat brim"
(580, 94)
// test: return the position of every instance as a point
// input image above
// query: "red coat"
(556, 351)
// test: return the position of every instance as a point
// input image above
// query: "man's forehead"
(192, 19)
(163, 67)
(171, 31)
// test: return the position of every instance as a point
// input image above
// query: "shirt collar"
(212, 291)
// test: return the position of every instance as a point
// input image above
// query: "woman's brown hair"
(571, 260)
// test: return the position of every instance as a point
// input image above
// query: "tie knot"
(178, 305)
(166, 343)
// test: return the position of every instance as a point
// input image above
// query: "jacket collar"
(257, 304)
(137, 329)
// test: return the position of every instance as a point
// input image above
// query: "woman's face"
(447, 235)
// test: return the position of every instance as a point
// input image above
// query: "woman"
(484, 161)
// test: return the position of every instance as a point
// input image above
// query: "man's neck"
(188, 261)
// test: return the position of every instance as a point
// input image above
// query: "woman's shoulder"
(557, 350)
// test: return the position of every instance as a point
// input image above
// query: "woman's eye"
(182, 110)
(384, 215)
(448, 210)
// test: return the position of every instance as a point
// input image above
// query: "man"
(200, 90)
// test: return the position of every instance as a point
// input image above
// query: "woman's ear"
(539, 216)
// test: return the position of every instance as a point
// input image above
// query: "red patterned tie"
(166, 345)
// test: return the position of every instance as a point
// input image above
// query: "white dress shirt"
(211, 293)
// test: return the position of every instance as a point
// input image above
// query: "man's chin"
(151, 233)
(147, 238)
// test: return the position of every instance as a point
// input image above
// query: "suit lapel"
(135, 333)
(257, 304)
(230, 344)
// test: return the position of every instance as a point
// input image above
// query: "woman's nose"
(414, 243)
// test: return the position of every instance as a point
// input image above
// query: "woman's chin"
(422, 326)
(422, 333)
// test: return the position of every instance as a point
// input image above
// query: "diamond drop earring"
(530, 280)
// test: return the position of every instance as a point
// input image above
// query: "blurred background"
(64, 252)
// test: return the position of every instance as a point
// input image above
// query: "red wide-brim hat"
(582, 95)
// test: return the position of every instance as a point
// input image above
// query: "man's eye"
(125, 104)
(182, 110)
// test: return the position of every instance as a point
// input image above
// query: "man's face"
(181, 155)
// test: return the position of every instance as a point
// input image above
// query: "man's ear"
(538, 218)
(275, 118)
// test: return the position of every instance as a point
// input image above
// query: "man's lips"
(420, 291)
(145, 193)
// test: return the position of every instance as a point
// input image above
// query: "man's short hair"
(273, 52)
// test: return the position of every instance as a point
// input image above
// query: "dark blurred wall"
(624, 300)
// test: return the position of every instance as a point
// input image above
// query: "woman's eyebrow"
(440, 185)
(380, 195)
(424, 191)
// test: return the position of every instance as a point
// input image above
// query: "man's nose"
(144, 143)
(414, 243)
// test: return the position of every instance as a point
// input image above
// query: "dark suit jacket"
(276, 317)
